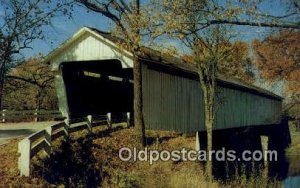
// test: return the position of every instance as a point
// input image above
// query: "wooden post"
(128, 119)
(36, 119)
(67, 125)
(109, 124)
(197, 145)
(3, 116)
(24, 148)
(48, 137)
(89, 123)
(157, 142)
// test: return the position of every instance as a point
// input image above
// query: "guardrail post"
(36, 119)
(48, 137)
(109, 124)
(24, 148)
(66, 126)
(128, 119)
(89, 123)
(3, 116)
(197, 144)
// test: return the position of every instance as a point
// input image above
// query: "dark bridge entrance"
(97, 87)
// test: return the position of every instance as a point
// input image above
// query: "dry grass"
(293, 151)
(103, 163)
(9, 174)
(160, 174)
(294, 148)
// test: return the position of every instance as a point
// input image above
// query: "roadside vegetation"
(9, 173)
(294, 148)
(90, 161)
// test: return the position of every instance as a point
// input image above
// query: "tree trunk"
(39, 98)
(138, 102)
(209, 127)
(2, 77)
(1, 90)
(208, 86)
(209, 122)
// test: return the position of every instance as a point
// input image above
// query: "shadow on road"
(5, 135)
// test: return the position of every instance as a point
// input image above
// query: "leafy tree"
(277, 57)
(210, 53)
(237, 63)
(30, 86)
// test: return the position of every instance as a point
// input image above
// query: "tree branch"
(256, 24)
(30, 81)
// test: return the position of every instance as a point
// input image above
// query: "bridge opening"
(97, 87)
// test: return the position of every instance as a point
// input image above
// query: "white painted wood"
(48, 135)
(128, 119)
(67, 126)
(42, 140)
(109, 120)
(36, 119)
(197, 145)
(3, 116)
(89, 123)
(24, 148)
(90, 46)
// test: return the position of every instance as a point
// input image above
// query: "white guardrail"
(25, 115)
(42, 140)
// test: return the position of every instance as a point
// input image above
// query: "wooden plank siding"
(88, 47)
(174, 102)
(172, 98)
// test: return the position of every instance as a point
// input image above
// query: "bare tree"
(22, 22)
(129, 23)
(239, 12)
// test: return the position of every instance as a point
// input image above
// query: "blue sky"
(62, 28)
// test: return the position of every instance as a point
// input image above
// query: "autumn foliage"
(235, 64)
(30, 86)
(277, 58)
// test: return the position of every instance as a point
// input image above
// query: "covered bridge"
(95, 76)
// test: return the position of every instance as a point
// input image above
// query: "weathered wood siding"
(172, 102)
(238, 108)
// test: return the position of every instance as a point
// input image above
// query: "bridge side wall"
(172, 100)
